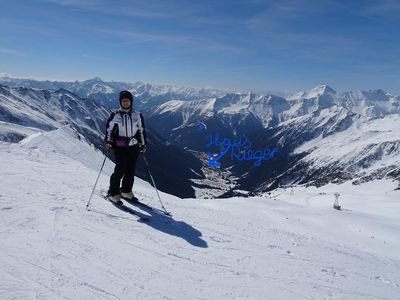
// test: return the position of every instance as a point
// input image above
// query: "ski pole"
(155, 187)
(98, 176)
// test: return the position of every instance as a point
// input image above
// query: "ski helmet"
(125, 95)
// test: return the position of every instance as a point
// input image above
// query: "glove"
(142, 149)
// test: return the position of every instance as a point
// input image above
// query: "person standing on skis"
(126, 136)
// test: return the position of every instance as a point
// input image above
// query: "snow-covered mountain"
(373, 103)
(24, 111)
(265, 109)
(297, 126)
(302, 127)
(370, 149)
(46, 110)
(287, 244)
(332, 146)
(271, 110)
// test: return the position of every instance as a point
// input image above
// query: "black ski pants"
(125, 164)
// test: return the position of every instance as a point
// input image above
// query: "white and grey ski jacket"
(128, 124)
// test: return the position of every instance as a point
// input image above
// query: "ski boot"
(130, 197)
(115, 199)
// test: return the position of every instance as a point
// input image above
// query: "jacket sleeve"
(109, 128)
(142, 131)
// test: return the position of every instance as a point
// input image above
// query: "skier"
(126, 135)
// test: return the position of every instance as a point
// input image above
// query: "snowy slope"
(48, 110)
(10, 132)
(277, 246)
(367, 147)
(24, 111)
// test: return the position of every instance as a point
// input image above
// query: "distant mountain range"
(319, 136)
(106, 93)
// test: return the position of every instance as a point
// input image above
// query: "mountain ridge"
(273, 121)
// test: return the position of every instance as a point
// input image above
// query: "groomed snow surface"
(290, 244)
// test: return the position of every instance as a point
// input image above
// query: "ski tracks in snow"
(52, 248)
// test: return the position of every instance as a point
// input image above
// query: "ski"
(136, 202)
(121, 206)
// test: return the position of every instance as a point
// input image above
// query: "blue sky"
(257, 45)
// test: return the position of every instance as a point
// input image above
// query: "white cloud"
(384, 7)
(136, 8)
(379, 12)
(197, 42)
(12, 52)
(277, 14)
